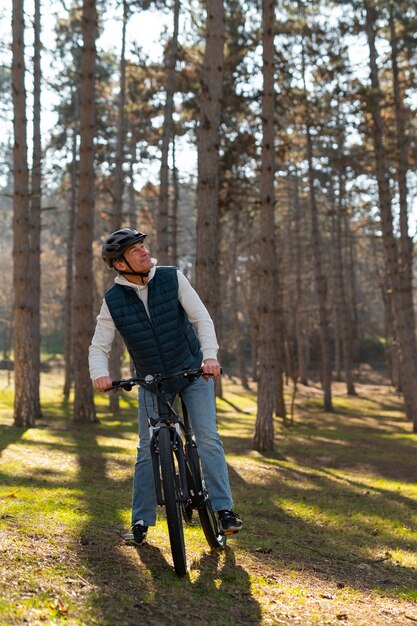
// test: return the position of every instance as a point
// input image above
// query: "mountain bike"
(178, 474)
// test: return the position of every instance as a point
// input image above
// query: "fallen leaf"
(60, 607)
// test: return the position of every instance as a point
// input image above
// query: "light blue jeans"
(200, 402)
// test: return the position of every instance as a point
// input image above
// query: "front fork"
(178, 450)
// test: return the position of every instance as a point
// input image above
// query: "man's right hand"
(102, 384)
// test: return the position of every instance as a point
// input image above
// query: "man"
(166, 328)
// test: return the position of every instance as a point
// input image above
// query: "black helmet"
(117, 242)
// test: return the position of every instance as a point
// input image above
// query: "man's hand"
(211, 366)
(102, 383)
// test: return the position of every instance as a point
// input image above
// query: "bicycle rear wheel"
(206, 514)
(172, 500)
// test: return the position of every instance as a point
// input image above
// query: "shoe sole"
(130, 540)
(134, 543)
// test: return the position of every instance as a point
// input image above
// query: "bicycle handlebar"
(128, 383)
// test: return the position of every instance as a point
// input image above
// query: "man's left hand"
(211, 366)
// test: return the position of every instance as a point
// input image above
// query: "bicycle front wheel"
(206, 514)
(172, 498)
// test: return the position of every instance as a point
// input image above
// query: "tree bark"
(69, 266)
(344, 315)
(299, 298)
(26, 393)
(207, 260)
(320, 278)
(163, 226)
(116, 355)
(406, 242)
(35, 206)
(173, 213)
(84, 410)
(405, 335)
(264, 426)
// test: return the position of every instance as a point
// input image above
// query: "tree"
(264, 427)
(26, 393)
(116, 356)
(405, 335)
(84, 410)
(35, 204)
(208, 159)
(320, 278)
(163, 226)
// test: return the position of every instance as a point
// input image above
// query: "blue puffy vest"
(164, 341)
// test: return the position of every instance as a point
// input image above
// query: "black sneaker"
(230, 523)
(136, 536)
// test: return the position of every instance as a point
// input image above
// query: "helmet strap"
(132, 272)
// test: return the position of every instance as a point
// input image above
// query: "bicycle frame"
(168, 418)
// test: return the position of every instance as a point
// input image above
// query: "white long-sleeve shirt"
(194, 308)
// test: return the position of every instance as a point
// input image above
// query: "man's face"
(138, 257)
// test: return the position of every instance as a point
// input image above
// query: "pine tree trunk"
(406, 242)
(300, 330)
(173, 214)
(167, 128)
(26, 392)
(35, 206)
(351, 284)
(131, 190)
(264, 426)
(207, 260)
(404, 334)
(343, 314)
(84, 410)
(319, 276)
(69, 266)
(280, 340)
(116, 355)
(321, 284)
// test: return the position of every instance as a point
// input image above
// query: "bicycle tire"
(208, 519)
(172, 502)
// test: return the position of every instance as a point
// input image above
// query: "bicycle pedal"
(229, 532)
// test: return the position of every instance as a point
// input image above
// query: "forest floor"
(329, 519)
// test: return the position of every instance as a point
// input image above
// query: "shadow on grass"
(10, 435)
(131, 587)
(232, 405)
(304, 515)
(220, 594)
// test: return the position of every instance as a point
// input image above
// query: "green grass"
(329, 520)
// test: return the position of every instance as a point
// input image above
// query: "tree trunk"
(26, 393)
(173, 214)
(69, 273)
(406, 242)
(163, 211)
(35, 206)
(84, 410)
(351, 286)
(131, 190)
(404, 334)
(300, 330)
(264, 426)
(343, 313)
(116, 355)
(321, 284)
(207, 260)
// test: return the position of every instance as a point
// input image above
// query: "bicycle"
(178, 476)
